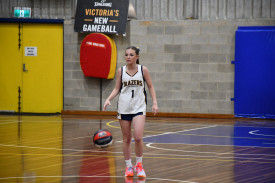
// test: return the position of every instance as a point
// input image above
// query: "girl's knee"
(138, 139)
(127, 140)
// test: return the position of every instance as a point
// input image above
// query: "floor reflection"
(254, 145)
(97, 164)
(31, 148)
(132, 180)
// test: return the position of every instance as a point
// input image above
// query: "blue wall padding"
(255, 72)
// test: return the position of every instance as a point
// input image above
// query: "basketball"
(102, 138)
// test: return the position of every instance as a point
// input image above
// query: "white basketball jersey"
(132, 98)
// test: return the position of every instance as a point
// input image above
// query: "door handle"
(24, 68)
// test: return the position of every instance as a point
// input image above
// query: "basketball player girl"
(130, 83)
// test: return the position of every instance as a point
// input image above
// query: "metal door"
(32, 60)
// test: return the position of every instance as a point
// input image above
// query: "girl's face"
(130, 56)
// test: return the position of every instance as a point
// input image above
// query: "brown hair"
(136, 50)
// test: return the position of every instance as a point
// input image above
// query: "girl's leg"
(138, 125)
(126, 133)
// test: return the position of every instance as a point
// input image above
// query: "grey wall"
(156, 9)
(187, 45)
(204, 9)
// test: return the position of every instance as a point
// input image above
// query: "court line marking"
(149, 145)
(165, 133)
(8, 122)
(254, 133)
(87, 176)
(218, 145)
(198, 135)
(198, 156)
(152, 157)
(182, 131)
(101, 151)
(170, 123)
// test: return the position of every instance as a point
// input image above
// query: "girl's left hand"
(155, 108)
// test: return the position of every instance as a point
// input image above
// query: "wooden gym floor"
(60, 149)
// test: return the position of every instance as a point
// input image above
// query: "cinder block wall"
(189, 62)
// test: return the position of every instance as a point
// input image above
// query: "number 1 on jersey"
(133, 93)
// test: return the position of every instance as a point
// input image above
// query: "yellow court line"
(112, 126)
(108, 124)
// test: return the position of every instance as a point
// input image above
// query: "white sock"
(128, 163)
(138, 159)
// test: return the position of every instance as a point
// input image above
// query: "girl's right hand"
(107, 102)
